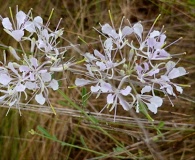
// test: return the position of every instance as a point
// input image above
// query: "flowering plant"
(128, 73)
(32, 70)
(123, 65)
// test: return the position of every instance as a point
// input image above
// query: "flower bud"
(13, 52)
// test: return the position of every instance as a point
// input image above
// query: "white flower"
(172, 72)
(152, 102)
(165, 80)
(32, 26)
(118, 95)
(117, 38)
(16, 30)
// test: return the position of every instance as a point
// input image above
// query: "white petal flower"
(18, 31)
(36, 23)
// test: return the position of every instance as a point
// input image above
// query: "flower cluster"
(131, 70)
(123, 65)
(33, 68)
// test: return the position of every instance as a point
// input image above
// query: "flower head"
(16, 30)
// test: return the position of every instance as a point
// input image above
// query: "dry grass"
(131, 136)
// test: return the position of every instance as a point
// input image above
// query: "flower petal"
(176, 72)
(101, 65)
(146, 89)
(125, 91)
(124, 104)
(40, 99)
(108, 44)
(46, 77)
(98, 54)
(154, 34)
(138, 29)
(157, 101)
(106, 29)
(95, 89)
(126, 31)
(34, 62)
(31, 85)
(170, 65)
(105, 87)
(7, 24)
(81, 82)
(20, 17)
(89, 57)
(54, 84)
(20, 88)
(110, 98)
(5, 79)
(17, 34)
(13, 52)
(152, 107)
(178, 88)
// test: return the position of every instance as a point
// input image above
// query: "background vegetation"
(90, 136)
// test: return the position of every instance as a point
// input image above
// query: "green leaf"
(63, 103)
(158, 131)
(191, 2)
(143, 109)
(44, 131)
(84, 96)
(93, 119)
(83, 141)
(118, 149)
(161, 125)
